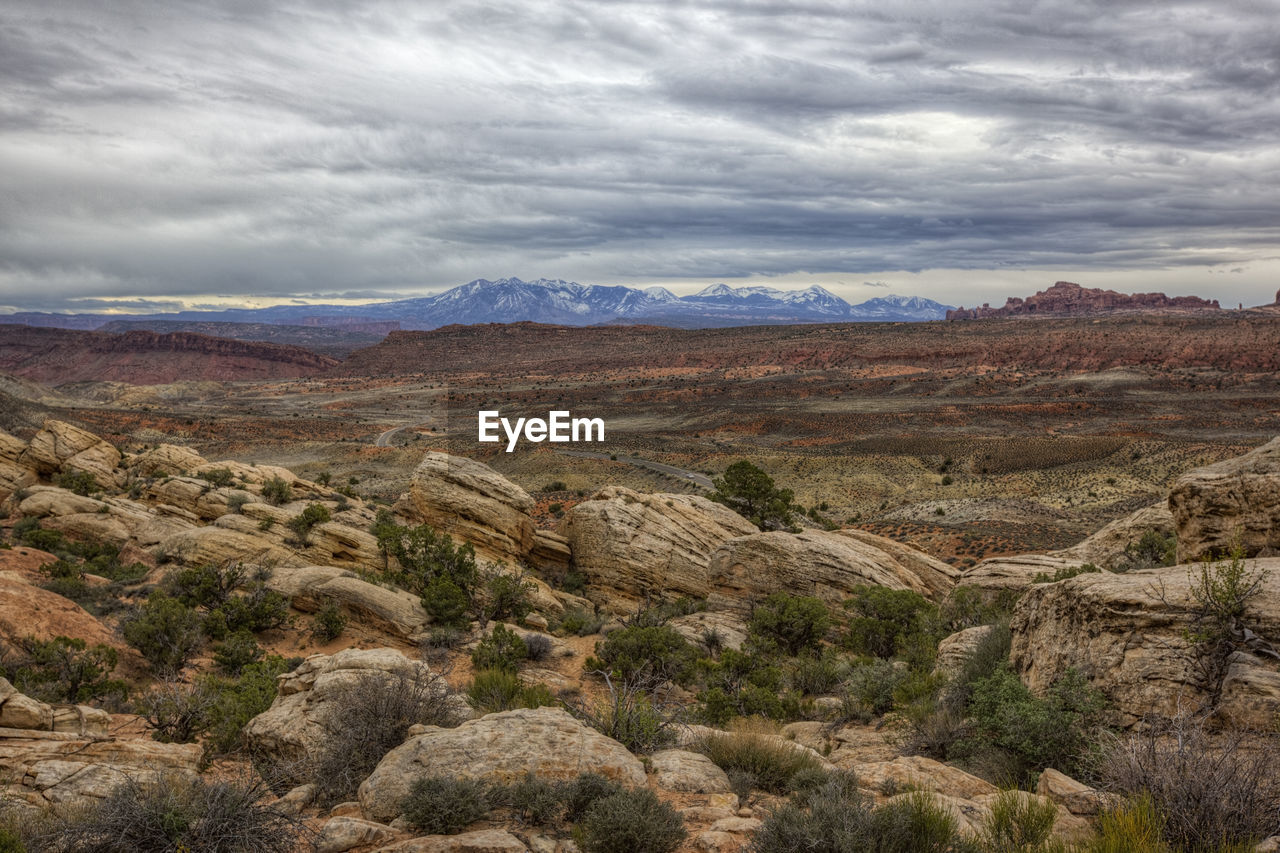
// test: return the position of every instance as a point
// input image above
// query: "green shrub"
(628, 715)
(494, 690)
(580, 794)
(238, 651)
(1065, 573)
(304, 522)
(772, 762)
(277, 491)
(741, 684)
(1152, 549)
(239, 701)
(816, 675)
(869, 690)
(631, 821)
(581, 623)
(536, 801)
(446, 602)
(790, 623)
(172, 813)
(1131, 826)
(882, 618)
(1020, 823)
(177, 712)
(80, 482)
(217, 477)
(443, 805)
(29, 532)
(504, 595)
(165, 631)
(750, 492)
(67, 669)
(657, 650)
(423, 554)
(329, 622)
(230, 596)
(501, 649)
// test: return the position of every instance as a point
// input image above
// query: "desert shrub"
(1134, 825)
(304, 522)
(67, 669)
(424, 554)
(574, 582)
(1220, 594)
(816, 674)
(628, 715)
(1065, 573)
(177, 712)
(535, 801)
(277, 491)
(446, 602)
(738, 684)
(657, 650)
(329, 622)
(230, 597)
(239, 701)
(503, 595)
(537, 647)
(881, 618)
(165, 631)
(217, 477)
(494, 690)
(581, 623)
(868, 692)
(916, 824)
(968, 607)
(772, 762)
(1020, 824)
(80, 482)
(1026, 733)
(378, 709)
(651, 615)
(29, 532)
(580, 794)
(1152, 549)
(443, 805)
(631, 821)
(174, 813)
(790, 623)
(238, 651)
(751, 493)
(502, 648)
(1207, 790)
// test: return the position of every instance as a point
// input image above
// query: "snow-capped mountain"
(511, 300)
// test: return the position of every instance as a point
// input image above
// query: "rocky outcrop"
(472, 502)
(954, 651)
(689, 772)
(19, 711)
(1128, 634)
(630, 545)
(60, 768)
(827, 565)
(1231, 503)
(728, 630)
(503, 747)
(308, 588)
(1106, 548)
(1068, 299)
(165, 460)
(60, 446)
(938, 577)
(1013, 574)
(313, 696)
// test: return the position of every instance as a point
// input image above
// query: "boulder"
(689, 772)
(1015, 574)
(70, 770)
(310, 698)
(631, 545)
(14, 478)
(502, 747)
(920, 773)
(19, 711)
(1077, 797)
(827, 565)
(939, 577)
(1231, 503)
(956, 649)
(309, 588)
(11, 447)
(218, 545)
(1128, 634)
(730, 628)
(480, 841)
(1106, 548)
(472, 502)
(60, 446)
(341, 834)
(165, 460)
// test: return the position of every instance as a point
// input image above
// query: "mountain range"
(511, 300)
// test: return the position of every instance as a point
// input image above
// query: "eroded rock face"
(19, 711)
(1127, 633)
(62, 447)
(472, 502)
(629, 544)
(503, 747)
(1106, 548)
(1230, 503)
(1014, 574)
(956, 649)
(165, 459)
(681, 770)
(309, 588)
(57, 770)
(827, 565)
(310, 697)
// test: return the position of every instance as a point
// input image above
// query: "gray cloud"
(180, 150)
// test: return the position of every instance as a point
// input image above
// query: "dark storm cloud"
(281, 150)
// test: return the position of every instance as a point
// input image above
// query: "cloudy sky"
(165, 153)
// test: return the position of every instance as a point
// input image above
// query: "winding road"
(384, 440)
(692, 476)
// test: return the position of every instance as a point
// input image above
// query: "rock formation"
(630, 545)
(1231, 503)
(1067, 299)
(1106, 548)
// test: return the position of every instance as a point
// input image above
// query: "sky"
(170, 154)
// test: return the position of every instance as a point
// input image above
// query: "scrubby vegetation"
(751, 493)
(65, 669)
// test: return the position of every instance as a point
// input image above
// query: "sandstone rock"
(1106, 548)
(297, 799)
(939, 577)
(341, 834)
(630, 544)
(716, 842)
(681, 770)
(311, 698)
(480, 841)
(1127, 633)
(14, 478)
(62, 447)
(72, 770)
(1013, 574)
(970, 815)
(1066, 825)
(472, 502)
(45, 501)
(925, 774)
(165, 459)
(956, 649)
(501, 747)
(1068, 299)
(827, 565)
(736, 824)
(550, 551)
(1230, 503)
(1077, 797)
(856, 745)
(11, 447)
(309, 588)
(730, 628)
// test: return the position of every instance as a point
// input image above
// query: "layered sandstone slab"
(1231, 503)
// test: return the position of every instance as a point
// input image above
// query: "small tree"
(750, 492)
(166, 632)
(791, 623)
(277, 491)
(304, 522)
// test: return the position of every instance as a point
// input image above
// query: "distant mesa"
(1068, 299)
